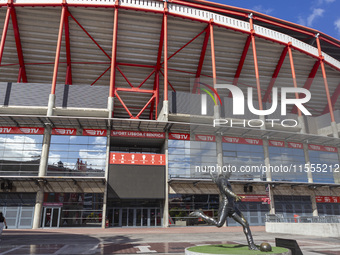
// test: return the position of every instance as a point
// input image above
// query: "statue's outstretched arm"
(230, 193)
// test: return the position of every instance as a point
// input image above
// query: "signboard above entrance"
(137, 159)
(138, 134)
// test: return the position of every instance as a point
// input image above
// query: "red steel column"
(252, 34)
(329, 101)
(68, 79)
(165, 30)
(293, 73)
(110, 103)
(51, 100)
(57, 54)
(22, 71)
(114, 52)
(212, 46)
(322, 64)
(4, 32)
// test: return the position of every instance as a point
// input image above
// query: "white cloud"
(318, 12)
(260, 8)
(320, 2)
(337, 25)
(301, 21)
(19, 148)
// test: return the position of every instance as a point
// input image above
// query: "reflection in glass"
(288, 157)
(326, 161)
(77, 155)
(20, 154)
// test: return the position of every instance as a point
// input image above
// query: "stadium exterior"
(121, 109)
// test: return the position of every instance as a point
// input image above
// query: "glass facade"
(77, 155)
(20, 154)
(322, 165)
(77, 209)
(289, 158)
(242, 155)
(292, 207)
(179, 158)
(180, 205)
(191, 158)
(326, 209)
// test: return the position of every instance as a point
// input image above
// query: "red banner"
(295, 145)
(95, 132)
(179, 136)
(254, 198)
(64, 131)
(327, 199)
(229, 139)
(276, 143)
(137, 159)
(138, 134)
(205, 138)
(316, 147)
(22, 130)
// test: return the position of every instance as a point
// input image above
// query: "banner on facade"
(179, 136)
(64, 131)
(240, 140)
(295, 145)
(327, 199)
(205, 138)
(316, 147)
(276, 143)
(254, 198)
(94, 132)
(22, 130)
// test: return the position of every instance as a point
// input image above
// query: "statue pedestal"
(232, 249)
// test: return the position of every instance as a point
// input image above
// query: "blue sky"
(323, 15)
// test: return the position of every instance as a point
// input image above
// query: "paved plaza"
(172, 241)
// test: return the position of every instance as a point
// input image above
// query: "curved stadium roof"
(86, 51)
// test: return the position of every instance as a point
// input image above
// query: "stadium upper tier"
(70, 42)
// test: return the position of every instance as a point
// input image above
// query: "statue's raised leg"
(222, 215)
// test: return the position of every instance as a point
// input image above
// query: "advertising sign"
(137, 159)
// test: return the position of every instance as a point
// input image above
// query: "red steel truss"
(12, 13)
(334, 98)
(293, 73)
(309, 81)
(163, 47)
(266, 97)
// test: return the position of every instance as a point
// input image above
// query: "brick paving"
(165, 241)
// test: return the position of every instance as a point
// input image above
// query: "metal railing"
(303, 219)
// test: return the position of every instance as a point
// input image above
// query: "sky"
(322, 15)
